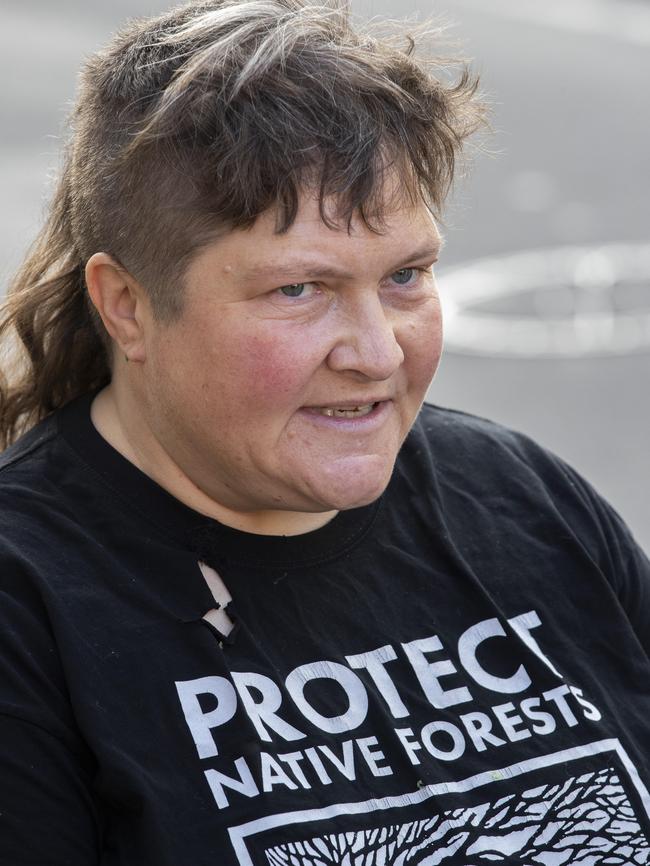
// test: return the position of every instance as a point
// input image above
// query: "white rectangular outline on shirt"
(239, 833)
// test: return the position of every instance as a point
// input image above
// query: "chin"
(348, 505)
(353, 487)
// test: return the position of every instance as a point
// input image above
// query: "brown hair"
(196, 122)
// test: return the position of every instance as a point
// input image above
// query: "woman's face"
(300, 361)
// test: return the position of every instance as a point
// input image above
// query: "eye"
(406, 276)
(297, 290)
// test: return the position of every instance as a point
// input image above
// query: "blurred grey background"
(569, 168)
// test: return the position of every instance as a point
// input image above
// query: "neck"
(116, 416)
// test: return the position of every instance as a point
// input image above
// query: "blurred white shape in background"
(570, 302)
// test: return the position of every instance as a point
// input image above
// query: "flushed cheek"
(272, 370)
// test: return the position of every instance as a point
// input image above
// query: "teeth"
(357, 412)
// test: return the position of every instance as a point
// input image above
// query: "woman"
(259, 604)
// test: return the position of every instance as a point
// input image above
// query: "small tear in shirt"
(218, 615)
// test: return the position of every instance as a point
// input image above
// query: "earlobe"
(120, 301)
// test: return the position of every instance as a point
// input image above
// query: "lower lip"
(362, 423)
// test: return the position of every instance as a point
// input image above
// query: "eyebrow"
(311, 269)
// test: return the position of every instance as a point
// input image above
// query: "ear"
(121, 302)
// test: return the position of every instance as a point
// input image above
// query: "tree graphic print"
(587, 820)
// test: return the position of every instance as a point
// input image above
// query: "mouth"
(345, 411)
(348, 410)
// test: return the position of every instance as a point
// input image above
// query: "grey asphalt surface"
(570, 164)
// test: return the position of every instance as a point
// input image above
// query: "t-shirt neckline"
(194, 530)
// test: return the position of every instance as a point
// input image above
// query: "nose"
(367, 343)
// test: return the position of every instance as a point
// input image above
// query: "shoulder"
(489, 460)
(35, 476)
(33, 464)
(26, 469)
(485, 474)
(466, 429)
(27, 445)
(458, 442)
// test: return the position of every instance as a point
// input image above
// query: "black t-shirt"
(455, 674)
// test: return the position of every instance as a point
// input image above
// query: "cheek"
(271, 368)
(422, 346)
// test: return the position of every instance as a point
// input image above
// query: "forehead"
(404, 229)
